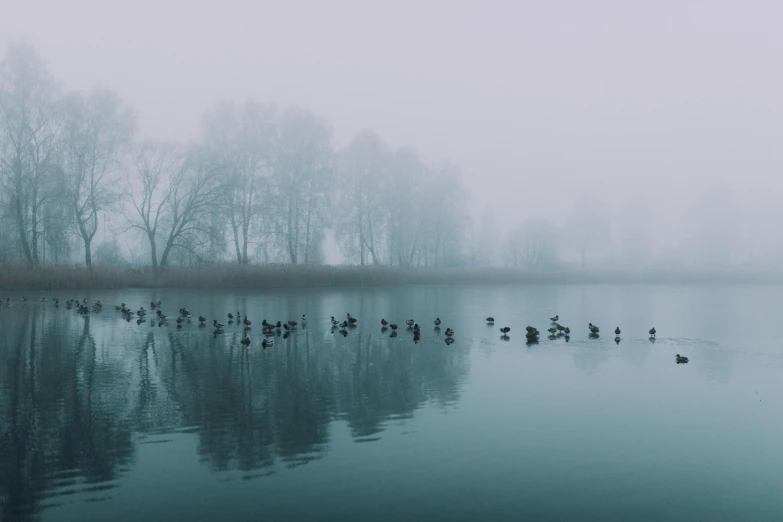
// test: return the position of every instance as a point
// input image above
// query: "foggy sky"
(540, 103)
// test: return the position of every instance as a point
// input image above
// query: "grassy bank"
(14, 277)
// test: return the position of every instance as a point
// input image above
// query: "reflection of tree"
(69, 406)
(254, 408)
(59, 428)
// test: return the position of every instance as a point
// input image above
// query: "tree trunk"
(153, 251)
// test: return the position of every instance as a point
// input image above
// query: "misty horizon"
(629, 110)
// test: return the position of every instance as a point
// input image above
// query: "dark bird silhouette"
(555, 318)
(490, 320)
(384, 322)
(437, 321)
(505, 330)
(681, 359)
(652, 331)
(593, 329)
(617, 331)
(245, 340)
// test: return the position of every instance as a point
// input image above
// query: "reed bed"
(274, 276)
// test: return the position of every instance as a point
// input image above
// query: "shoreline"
(282, 277)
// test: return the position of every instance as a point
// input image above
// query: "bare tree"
(97, 132)
(240, 140)
(155, 166)
(29, 128)
(302, 172)
(533, 243)
(194, 191)
(362, 175)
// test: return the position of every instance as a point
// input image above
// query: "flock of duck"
(270, 330)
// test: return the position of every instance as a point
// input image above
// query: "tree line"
(262, 184)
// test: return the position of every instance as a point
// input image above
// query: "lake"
(102, 418)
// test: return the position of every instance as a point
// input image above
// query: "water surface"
(101, 418)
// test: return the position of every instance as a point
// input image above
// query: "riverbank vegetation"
(286, 276)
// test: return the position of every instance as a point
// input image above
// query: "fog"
(656, 125)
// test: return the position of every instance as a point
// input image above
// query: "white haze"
(666, 112)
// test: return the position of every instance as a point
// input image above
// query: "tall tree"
(302, 171)
(29, 131)
(97, 133)
(156, 165)
(363, 168)
(240, 140)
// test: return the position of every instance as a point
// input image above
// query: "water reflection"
(77, 396)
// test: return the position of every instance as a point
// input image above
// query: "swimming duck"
(552, 330)
(449, 332)
(555, 318)
(490, 320)
(344, 324)
(351, 319)
(505, 330)
(266, 343)
(247, 323)
(384, 322)
(217, 325)
(245, 340)
(437, 321)
(334, 321)
(567, 330)
(202, 319)
(393, 327)
(617, 331)
(681, 359)
(410, 322)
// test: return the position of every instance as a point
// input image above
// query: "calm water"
(101, 418)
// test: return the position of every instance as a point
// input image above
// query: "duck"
(217, 325)
(352, 319)
(505, 330)
(449, 332)
(202, 319)
(437, 321)
(416, 329)
(344, 324)
(552, 330)
(266, 343)
(246, 322)
(681, 359)
(334, 321)
(304, 320)
(617, 331)
(230, 316)
(567, 330)
(560, 328)
(410, 322)
(490, 320)
(593, 329)
(555, 318)
(384, 322)
(245, 340)
(393, 326)
(292, 324)
(652, 332)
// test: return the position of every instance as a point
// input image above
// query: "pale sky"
(540, 102)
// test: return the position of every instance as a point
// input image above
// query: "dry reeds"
(279, 276)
